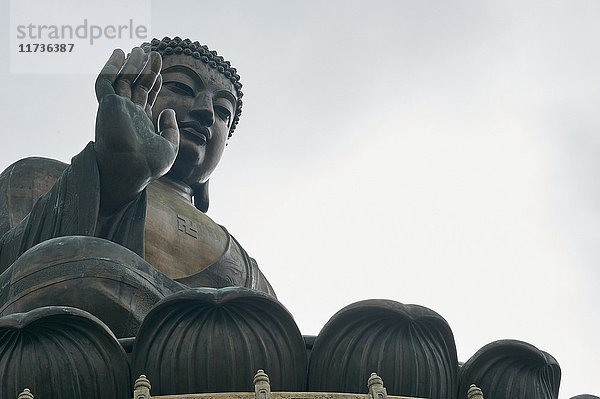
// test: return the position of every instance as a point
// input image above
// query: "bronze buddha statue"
(165, 114)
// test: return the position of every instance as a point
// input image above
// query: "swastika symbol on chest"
(186, 226)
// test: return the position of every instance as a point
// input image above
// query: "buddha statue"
(165, 114)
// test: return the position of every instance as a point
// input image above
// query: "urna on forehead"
(200, 54)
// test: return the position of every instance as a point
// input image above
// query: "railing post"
(141, 389)
(474, 392)
(262, 386)
(376, 388)
(26, 394)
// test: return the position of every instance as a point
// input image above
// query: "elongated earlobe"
(201, 197)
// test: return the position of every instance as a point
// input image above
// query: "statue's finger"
(108, 74)
(167, 127)
(154, 91)
(156, 63)
(145, 80)
(128, 73)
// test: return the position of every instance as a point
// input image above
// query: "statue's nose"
(202, 111)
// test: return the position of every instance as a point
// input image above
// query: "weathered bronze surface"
(198, 340)
(411, 347)
(21, 184)
(88, 273)
(179, 240)
(60, 352)
(113, 189)
(509, 369)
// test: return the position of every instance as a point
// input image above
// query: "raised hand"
(130, 154)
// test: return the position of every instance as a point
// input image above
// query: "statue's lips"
(196, 130)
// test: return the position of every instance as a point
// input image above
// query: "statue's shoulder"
(22, 183)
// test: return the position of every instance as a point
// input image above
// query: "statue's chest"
(179, 239)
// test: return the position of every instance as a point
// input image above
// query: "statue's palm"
(129, 152)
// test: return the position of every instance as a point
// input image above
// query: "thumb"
(167, 127)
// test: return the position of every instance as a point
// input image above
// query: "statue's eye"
(179, 88)
(223, 113)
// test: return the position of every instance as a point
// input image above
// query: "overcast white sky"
(444, 153)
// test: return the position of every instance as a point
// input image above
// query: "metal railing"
(262, 390)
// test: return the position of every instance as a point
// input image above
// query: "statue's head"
(205, 92)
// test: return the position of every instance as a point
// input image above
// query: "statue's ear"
(201, 197)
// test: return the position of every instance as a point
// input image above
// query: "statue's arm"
(261, 282)
(99, 193)
(129, 153)
(70, 207)
(257, 280)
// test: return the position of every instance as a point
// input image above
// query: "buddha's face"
(204, 101)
